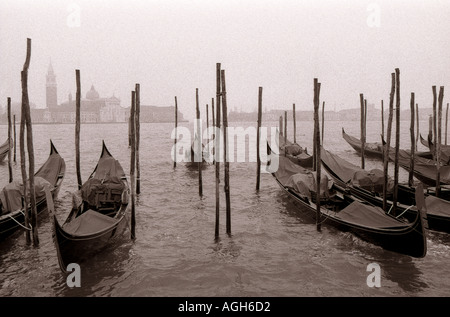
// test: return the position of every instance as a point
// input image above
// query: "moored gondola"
(368, 185)
(4, 149)
(348, 213)
(99, 213)
(50, 175)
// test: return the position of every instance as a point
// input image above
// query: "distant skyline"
(171, 48)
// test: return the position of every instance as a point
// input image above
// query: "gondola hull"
(77, 249)
(99, 215)
(53, 170)
(407, 239)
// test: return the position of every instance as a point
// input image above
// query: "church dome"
(92, 94)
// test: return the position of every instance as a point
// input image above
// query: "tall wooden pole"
(214, 125)
(417, 125)
(14, 125)
(207, 126)
(77, 128)
(382, 120)
(446, 122)
(323, 120)
(225, 156)
(433, 88)
(9, 141)
(285, 128)
(397, 140)
(430, 130)
(176, 135)
(317, 143)
(413, 146)
(258, 137)
(295, 123)
(30, 147)
(439, 142)
(388, 142)
(199, 145)
(363, 140)
(281, 125)
(217, 148)
(138, 137)
(133, 163)
(23, 159)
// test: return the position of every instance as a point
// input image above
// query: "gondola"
(50, 175)
(425, 170)
(368, 185)
(99, 213)
(295, 152)
(192, 160)
(4, 149)
(374, 149)
(445, 150)
(348, 213)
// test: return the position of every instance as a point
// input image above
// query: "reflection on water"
(274, 248)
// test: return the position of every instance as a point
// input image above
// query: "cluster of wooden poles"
(25, 128)
(435, 123)
(221, 110)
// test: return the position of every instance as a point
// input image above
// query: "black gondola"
(50, 175)
(99, 213)
(348, 213)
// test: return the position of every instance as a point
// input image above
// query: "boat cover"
(422, 166)
(437, 206)
(371, 180)
(11, 194)
(364, 215)
(302, 180)
(88, 223)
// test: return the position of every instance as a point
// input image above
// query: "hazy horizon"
(171, 48)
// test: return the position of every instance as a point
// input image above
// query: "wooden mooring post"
(258, 139)
(217, 149)
(446, 122)
(413, 145)
(9, 141)
(417, 126)
(176, 135)
(138, 136)
(199, 149)
(77, 128)
(397, 141)
(226, 154)
(133, 163)
(439, 142)
(388, 143)
(14, 126)
(363, 139)
(26, 118)
(317, 147)
(295, 123)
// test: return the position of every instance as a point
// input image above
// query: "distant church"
(93, 108)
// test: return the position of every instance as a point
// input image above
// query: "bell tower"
(51, 95)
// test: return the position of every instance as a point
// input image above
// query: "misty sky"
(171, 48)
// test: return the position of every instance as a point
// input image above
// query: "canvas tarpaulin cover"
(88, 223)
(364, 215)
(300, 179)
(436, 206)
(349, 173)
(11, 195)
